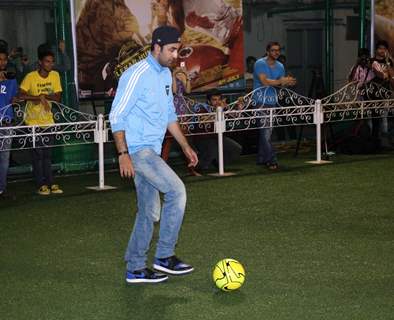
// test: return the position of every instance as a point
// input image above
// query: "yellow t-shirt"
(36, 85)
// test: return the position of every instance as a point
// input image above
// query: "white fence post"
(220, 127)
(318, 119)
(101, 150)
(100, 136)
(34, 136)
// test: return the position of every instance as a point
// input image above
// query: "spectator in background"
(10, 67)
(180, 87)
(268, 72)
(39, 88)
(361, 72)
(63, 64)
(207, 144)
(19, 61)
(382, 66)
(8, 91)
(15, 57)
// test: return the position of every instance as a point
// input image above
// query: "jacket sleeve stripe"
(127, 93)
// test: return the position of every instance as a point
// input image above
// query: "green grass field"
(317, 242)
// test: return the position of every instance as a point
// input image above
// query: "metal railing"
(265, 107)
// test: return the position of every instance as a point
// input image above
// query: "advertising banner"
(111, 35)
(384, 22)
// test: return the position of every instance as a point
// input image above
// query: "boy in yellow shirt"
(38, 88)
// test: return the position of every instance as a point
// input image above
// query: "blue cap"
(165, 35)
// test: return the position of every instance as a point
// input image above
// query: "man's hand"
(126, 166)
(177, 133)
(240, 103)
(288, 81)
(191, 155)
(16, 100)
(45, 103)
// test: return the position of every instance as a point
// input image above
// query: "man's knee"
(178, 190)
(153, 212)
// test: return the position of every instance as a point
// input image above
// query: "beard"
(166, 63)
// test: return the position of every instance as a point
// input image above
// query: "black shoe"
(172, 265)
(145, 276)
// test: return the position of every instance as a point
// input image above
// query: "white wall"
(24, 28)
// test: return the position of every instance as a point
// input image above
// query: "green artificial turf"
(317, 242)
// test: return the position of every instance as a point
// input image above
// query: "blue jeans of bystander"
(5, 145)
(265, 151)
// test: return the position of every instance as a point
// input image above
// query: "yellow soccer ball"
(228, 274)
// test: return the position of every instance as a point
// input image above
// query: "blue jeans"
(154, 176)
(5, 145)
(265, 150)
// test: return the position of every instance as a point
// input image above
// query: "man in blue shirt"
(207, 144)
(268, 73)
(142, 111)
(8, 91)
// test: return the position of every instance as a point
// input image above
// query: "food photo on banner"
(384, 22)
(112, 35)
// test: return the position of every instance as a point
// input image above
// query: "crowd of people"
(372, 74)
(37, 84)
(270, 72)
